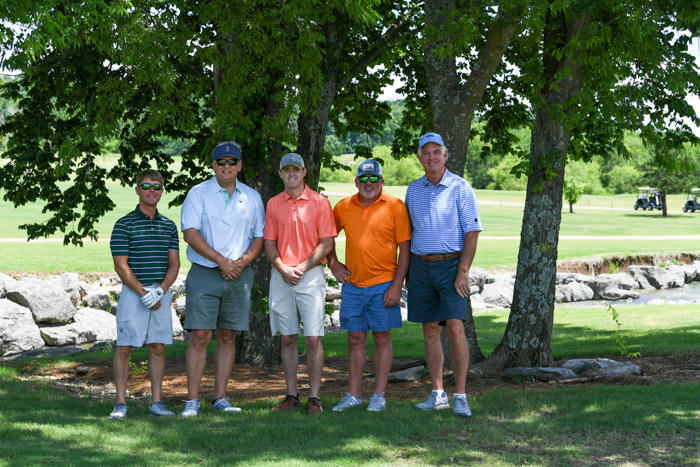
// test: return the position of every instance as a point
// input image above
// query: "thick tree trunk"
(528, 336)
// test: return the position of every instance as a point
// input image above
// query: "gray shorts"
(306, 300)
(137, 325)
(215, 303)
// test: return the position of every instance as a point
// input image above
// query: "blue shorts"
(362, 309)
(431, 291)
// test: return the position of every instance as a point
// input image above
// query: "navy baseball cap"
(227, 149)
(369, 168)
(430, 138)
(292, 159)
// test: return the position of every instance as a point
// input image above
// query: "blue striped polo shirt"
(146, 242)
(441, 214)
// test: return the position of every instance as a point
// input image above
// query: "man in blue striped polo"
(145, 250)
(446, 227)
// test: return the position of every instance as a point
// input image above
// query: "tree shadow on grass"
(650, 424)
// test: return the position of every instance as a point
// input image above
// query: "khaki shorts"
(307, 298)
(216, 303)
(137, 325)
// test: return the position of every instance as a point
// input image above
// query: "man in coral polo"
(376, 224)
(299, 232)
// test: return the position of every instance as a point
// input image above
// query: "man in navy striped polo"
(446, 226)
(145, 250)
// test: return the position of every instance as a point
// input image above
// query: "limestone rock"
(96, 297)
(67, 334)
(582, 366)
(539, 373)
(478, 277)
(613, 287)
(573, 292)
(5, 282)
(409, 374)
(500, 292)
(332, 293)
(48, 302)
(568, 277)
(179, 306)
(101, 323)
(18, 331)
(653, 277)
(178, 330)
(478, 302)
(70, 282)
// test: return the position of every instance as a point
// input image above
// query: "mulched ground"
(250, 383)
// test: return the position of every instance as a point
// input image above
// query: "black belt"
(440, 256)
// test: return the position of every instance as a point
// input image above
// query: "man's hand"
(340, 272)
(291, 275)
(230, 269)
(462, 283)
(152, 297)
(392, 296)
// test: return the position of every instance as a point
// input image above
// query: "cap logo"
(368, 167)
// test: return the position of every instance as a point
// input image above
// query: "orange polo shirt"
(372, 237)
(297, 224)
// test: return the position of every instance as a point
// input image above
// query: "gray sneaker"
(159, 409)
(191, 408)
(119, 411)
(434, 401)
(347, 402)
(222, 404)
(460, 406)
(377, 403)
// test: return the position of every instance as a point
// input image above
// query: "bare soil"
(250, 383)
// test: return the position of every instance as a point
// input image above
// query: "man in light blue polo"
(223, 222)
(445, 219)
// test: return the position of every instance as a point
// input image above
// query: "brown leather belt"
(440, 256)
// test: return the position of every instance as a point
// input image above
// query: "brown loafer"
(314, 405)
(288, 402)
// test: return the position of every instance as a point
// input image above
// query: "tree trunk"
(528, 337)
(571, 208)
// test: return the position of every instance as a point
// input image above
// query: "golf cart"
(648, 198)
(692, 203)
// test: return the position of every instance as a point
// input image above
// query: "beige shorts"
(306, 300)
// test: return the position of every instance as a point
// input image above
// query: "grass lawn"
(640, 425)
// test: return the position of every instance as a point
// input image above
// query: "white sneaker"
(377, 403)
(191, 408)
(434, 401)
(460, 406)
(160, 409)
(119, 411)
(223, 405)
(346, 402)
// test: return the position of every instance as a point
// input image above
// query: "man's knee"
(431, 330)
(225, 337)
(123, 352)
(356, 339)
(156, 350)
(381, 339)
(455, 328)
(313, 343)
(200, 339)
(289, 341)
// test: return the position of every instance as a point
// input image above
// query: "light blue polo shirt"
(228, 225)
(441, 214)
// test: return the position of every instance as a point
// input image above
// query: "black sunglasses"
(371, 179)
(223, 162)
(148, 186)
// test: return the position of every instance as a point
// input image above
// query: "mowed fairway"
(501, 213)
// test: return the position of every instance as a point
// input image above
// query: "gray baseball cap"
(292, 159)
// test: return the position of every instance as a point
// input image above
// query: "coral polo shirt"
(297, 224)
(372, 236)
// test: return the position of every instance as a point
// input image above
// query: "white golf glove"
(152, 297)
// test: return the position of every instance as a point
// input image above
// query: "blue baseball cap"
(430, 138)
(292, 159)
(369, 168)
(227, 149)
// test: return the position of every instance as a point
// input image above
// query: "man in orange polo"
(299, 232)
(376, 225)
